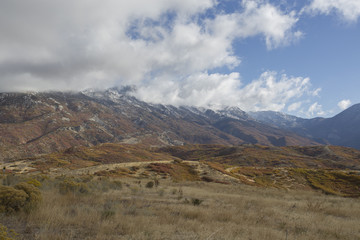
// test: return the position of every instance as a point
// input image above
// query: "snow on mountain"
(36, 123)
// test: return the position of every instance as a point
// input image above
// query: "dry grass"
(166, 212)
(115, 201)
(318, 157)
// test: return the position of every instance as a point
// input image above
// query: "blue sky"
(328, 53)
(298, 57)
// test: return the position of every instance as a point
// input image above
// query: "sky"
(297, 57)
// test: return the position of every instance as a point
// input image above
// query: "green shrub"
(22, 196)
(11, 199)
(34, 195)
(34, 182)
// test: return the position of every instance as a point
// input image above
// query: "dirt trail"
(22, 166)
(103, 167)
(202, 169)
(228, 170)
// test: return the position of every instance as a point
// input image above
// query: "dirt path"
(242, 175)
(103, 167)
(22, 166)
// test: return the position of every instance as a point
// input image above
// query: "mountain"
(300, 126)
(38, 123)
(342, 129)
(278, 119)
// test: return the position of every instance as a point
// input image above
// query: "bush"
(34, 182)
(6, 234)
(150, 184)
(34, 195)
(11, 199)
(22, 196)
(196, 201)
(69, 186)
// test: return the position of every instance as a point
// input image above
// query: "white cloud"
(349, 10)
(344, 104)
(203, 90)
(316, 92)
(271, 93)
(294, 106)
(266, 19)
(218, 90)
(315, 110)
(165, 48)
(60, 44)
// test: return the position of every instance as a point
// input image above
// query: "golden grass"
(178, 171)
(265, 156)
(189, 203)
(166, 212)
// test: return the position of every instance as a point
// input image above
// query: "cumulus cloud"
(266, 19)
(315, 110)
(344, 104)
(268, 92)
(164, 48)
(349, 10)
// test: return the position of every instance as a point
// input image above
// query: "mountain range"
(342, 129)
(39, 123)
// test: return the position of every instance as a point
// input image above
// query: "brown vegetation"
(190, 192)
(186, 210)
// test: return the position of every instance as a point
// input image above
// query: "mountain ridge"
(341, 129)
(44, 122)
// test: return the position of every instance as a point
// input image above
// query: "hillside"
(342, 129)
(332, 169)
(38, 123)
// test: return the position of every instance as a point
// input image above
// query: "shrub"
(11, 199)
(196, 201)
(34, 182)
(69, 186)
(150, 184)
(83, 188)
(21, 197)
(34, 195)
(6, 234)
(207, 179)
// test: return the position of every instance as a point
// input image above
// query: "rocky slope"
(37, 123)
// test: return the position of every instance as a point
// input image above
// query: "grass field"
(90, 207)
(202, 192)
